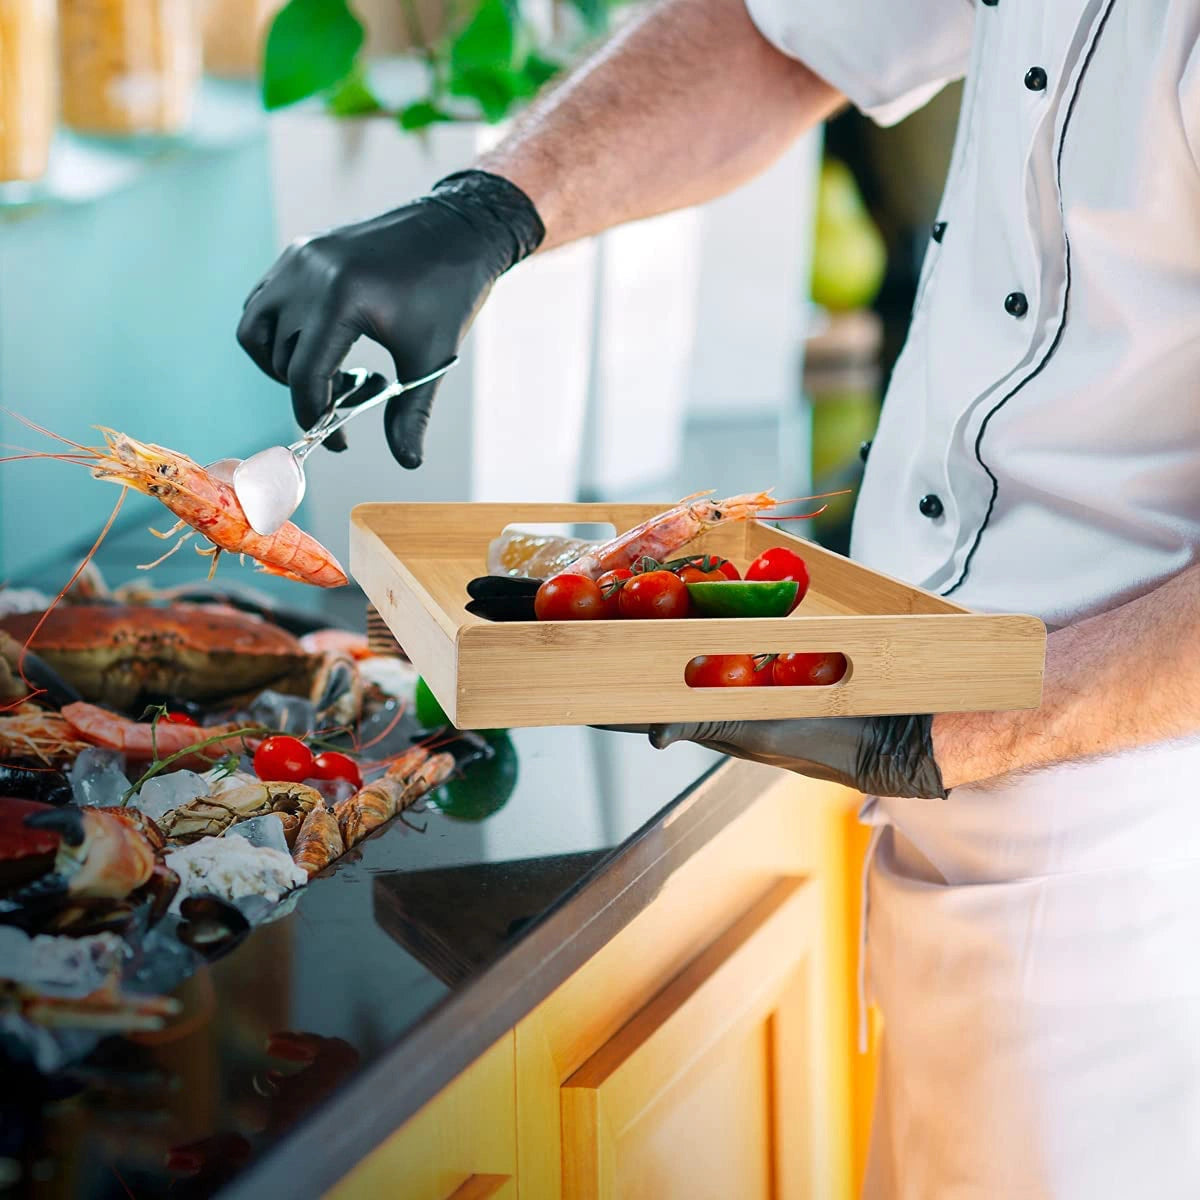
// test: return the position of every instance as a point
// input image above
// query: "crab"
(80, 870)
(210, 816)
(120, 654)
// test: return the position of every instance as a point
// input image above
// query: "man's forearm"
(1126, 678)
(684, 104)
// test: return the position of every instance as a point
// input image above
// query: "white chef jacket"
(1035, 944)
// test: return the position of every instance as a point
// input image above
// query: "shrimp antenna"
(48, 433)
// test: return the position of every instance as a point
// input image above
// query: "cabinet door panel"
(461, 1146)
(707, 1092)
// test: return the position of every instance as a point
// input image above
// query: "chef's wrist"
(498, 209)
(973, 747)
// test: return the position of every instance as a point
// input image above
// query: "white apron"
(1035, 953)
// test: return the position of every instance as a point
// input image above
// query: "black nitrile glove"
(411, 280)
(880, 756)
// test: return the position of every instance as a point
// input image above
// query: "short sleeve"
(1189, 101)
(887, 57)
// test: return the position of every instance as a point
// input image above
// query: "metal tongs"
(270, 484)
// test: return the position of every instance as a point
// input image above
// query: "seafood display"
(148, 798)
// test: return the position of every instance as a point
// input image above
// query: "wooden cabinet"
(705, 1051)
(710, 1091)
(700, 1034)
(461, 1146)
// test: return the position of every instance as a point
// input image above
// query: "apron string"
(863, 1038)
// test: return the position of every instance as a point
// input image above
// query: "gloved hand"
(411, 280)
(880, 756)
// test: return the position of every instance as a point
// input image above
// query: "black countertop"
(394, 971)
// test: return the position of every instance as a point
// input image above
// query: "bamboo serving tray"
(909, 651)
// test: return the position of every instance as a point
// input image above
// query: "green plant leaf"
(487, 43)
(538, 70)
(495, 90)
(352, 97)
(420, 115)
(594, 14)
(311, 46)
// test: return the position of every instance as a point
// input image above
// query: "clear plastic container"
(28, 88)
(128, 66)
(235, 32)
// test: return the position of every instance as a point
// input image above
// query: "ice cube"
(218, 780)
(98, 777)
(163, 793)
(265, 831)
(283, 714)
(388, 731)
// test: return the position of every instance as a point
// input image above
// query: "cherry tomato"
(728, 569)
(721, 670)
(331, 765)
(569, 598)
(696, 575)
(808, 670)
(764, 675)
(283, 758)
(657, 594)
(179, 718)
(780, 563)
(610, 582)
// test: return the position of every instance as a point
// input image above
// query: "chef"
(1034, 886)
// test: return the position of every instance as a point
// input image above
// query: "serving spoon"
(270, 485)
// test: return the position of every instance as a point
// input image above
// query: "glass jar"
(235, 32)
(128, 66)
(28, 87)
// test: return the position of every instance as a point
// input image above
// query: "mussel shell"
(211, 926)
(87, 917)
(30, 781)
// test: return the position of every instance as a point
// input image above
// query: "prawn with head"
(200, 500)
(669, 531)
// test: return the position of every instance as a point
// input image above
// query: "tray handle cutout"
(821, 671)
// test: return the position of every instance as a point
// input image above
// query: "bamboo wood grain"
(909, 650)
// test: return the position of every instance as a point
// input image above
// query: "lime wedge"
(741, 599)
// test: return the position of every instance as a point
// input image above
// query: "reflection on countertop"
(372, 951)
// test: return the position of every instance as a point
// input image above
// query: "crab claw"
(66, 821)
(51, 886)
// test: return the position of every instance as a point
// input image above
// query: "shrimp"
(319, 841)
(139, 740)
(379, 801)
(206, 504)
(669, 531)
(32, 733)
